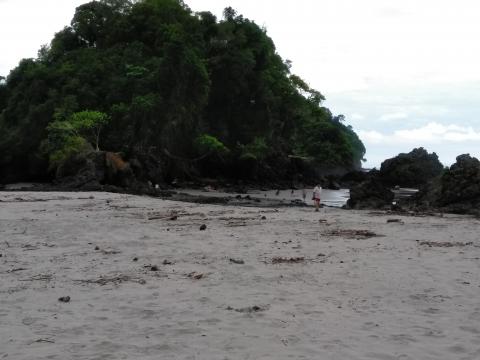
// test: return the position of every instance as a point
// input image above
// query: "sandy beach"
(140, 280)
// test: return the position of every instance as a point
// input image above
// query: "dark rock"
(237, 261)
(414, 169)
(97, 248)
(154, 268)
(460, 186)
(456, 191)
(64, 299)
(203, 227)
(370, 194)
(135, 259)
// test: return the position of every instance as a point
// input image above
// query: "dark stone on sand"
(203, 227)
(237, 261)
(64, 299)
(135, 259)
(97, 248)
(154, 268)
(264, 218)
(370, 194)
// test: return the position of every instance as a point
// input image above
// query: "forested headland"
(174, 93)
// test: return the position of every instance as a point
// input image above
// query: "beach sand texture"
(258, 283)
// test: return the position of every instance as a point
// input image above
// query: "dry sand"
(307, 289)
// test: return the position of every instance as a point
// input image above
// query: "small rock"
(264, 218)
(154, 268)
(237, 261)
(320, 255)
(135, 259)
(167, 262)
(64, 299)
(195, 275)
(203, 227)
(174, 217)
(97, 248)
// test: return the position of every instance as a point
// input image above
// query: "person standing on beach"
(317, 192)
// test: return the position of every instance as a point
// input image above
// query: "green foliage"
(79, 133)
(166, 77)
(209, 144)
(257, 149)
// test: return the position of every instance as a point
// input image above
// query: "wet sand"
(144, 282)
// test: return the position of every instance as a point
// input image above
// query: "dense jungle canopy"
(182, 93)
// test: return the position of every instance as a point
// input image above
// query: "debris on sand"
(167, 262)
(237, 261)
(39, 277)
(110, 252)
(400, 221)
(64, 299)
(203, 227)
(287, 260)
(195, 275)
(352, 234)
(250, 309)
(104, 280)
(444, 244)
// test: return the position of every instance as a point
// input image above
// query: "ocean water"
(335, 198)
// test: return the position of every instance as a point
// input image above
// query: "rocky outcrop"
(414, 169)
(370, 194)
(460, 191)
(93, 170)
(456, 191)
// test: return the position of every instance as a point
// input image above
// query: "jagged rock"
(86, 171)
(370, 194)
(456, 191)
(90, 171)
(414, 169)
(460, 186)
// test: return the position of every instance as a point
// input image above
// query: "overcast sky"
(405, 73)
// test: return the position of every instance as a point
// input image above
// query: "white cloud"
(431, 133)
(394, 116)
(356, 116)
